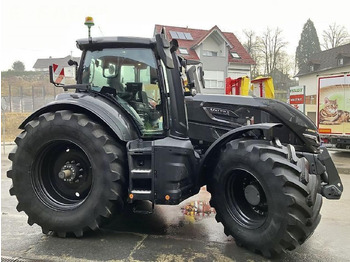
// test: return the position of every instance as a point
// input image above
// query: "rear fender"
(211, 156)
(99, 109)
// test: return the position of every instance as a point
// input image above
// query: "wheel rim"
(245, 199)
(62, 177)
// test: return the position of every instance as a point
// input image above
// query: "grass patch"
(10, 122)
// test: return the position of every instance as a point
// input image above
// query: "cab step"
(141, 175)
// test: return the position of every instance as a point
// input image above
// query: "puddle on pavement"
(167, 219)
(197, 210)
(197, 207)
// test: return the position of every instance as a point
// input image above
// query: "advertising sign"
(297, 97)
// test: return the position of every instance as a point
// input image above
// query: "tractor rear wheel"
(68, 173)
(265, 200)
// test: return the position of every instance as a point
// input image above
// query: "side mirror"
(174, 45)
(163, 50)
(110, 71)
(57, 76)
(191, 75)
(201, 76)
(72, 62)
(75, 63)
(195, 77)
(191, 81)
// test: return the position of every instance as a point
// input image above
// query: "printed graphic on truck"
(334, 105)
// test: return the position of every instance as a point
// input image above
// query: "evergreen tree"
(308, 44)
(18, 66)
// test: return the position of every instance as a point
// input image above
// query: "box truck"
(334, 110)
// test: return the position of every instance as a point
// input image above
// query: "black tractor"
(129, 132)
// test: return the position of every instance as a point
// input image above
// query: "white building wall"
(238, 70)
(211, 45)
(311, 81)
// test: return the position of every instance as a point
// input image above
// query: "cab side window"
(129, 74)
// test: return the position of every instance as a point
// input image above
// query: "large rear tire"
(265, 201)
(68, 173)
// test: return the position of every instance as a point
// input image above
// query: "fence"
(16, 105)
(27, 99)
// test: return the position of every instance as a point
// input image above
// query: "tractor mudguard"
(95, 107)
(207, 162)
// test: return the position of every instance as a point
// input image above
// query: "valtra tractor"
(127, 132)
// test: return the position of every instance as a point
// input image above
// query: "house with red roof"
(220, 53)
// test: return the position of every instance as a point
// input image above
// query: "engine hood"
(228, 112)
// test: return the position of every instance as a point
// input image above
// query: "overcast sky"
(41, 28)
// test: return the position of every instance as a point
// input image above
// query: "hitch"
(143, 208)
(334, 187)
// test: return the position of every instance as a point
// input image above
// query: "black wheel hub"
(246, 199)
(252, 195)
(62, 175)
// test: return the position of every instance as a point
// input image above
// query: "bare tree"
(334, 36)
(250, 42)
(271, 46)
(286, 63)
(252, 47)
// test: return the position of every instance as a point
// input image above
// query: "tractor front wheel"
(267, 202)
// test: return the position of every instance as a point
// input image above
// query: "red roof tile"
(199, 35)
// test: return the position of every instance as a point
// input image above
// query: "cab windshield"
(130, 75)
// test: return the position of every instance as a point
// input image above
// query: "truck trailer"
(333, 119)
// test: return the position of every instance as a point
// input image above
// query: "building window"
(340, 61)
(214, 79)
(210, 53)
(235, 55)
(183, 51)
(181, 35)
(188, 36)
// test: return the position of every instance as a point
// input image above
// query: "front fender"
(211, 156)
(97, 108)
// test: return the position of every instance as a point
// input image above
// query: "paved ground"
(168, 235)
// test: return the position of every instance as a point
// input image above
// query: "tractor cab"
(130, 75)
(138, 74)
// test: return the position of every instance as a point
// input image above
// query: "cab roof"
(120, 41)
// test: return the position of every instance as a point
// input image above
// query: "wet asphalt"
(168, 234)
